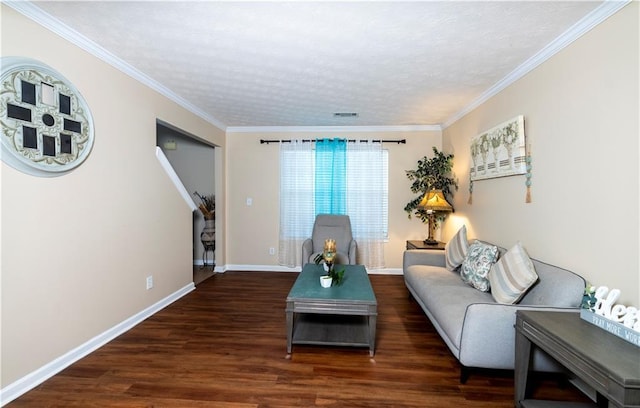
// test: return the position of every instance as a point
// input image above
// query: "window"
(366, 199)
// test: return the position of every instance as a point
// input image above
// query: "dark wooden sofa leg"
(465, 372)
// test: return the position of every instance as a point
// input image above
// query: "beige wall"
(253, 172)
(581, 111)
(76, 249)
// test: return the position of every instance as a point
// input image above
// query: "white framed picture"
(499, 151)
(47, 127)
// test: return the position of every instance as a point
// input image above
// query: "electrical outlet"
(149, 282)
(272, 251)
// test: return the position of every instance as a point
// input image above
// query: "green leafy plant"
(337, 275)
(589, 297)
(207, 205)
(432, 173)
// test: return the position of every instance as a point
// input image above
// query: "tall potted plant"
(432, 173)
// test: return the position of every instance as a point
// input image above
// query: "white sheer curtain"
(296, 200)
(367, 200)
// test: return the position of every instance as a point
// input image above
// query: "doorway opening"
(193, 160)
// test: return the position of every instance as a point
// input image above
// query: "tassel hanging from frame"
(470, 201)
(528, 176)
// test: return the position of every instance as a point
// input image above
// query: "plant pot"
(208, 234)
(208, 239)
(325, 281)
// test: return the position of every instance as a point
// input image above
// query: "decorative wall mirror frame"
(47, 127)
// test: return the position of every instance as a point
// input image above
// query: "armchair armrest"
(434, 257)
(353, 246)
(488, 336)
(307, 250)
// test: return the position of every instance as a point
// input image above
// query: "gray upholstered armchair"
(332, 226)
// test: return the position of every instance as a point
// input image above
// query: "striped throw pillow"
(512, 276)
(456, 249)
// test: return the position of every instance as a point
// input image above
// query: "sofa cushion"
(445, 299)
(512, 276)
(456, 249)
(449, 307)
(477, 264)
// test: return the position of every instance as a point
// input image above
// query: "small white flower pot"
(325, 281)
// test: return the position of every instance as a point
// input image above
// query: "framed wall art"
(47, 128)
(499, 151)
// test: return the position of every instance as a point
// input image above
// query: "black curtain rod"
(399, 141)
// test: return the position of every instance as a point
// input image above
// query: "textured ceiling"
(296, 63)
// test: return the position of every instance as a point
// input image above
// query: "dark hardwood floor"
(224, 345)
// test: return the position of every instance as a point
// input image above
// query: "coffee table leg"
(372, 334)
(289, 327)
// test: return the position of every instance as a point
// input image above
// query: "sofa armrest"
(488, 336)
(307, 250)
(433, 257)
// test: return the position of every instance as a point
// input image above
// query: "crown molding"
(326, 129)
(597, 16)
(36, 14)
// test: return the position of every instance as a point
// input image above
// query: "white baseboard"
(385, 271)
(280, 268)
(260, 268)
(37, 377)
(199, 262)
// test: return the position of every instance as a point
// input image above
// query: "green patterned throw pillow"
(477, 264)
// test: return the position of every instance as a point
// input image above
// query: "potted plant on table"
(327, 257)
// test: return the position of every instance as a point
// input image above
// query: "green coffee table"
(343, 315)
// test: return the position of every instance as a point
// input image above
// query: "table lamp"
(432, 202)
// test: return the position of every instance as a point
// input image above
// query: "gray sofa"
(478, 330)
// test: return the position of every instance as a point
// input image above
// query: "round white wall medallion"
(47, 128)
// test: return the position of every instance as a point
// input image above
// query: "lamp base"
(430, 241)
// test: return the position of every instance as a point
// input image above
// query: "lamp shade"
(434, 200)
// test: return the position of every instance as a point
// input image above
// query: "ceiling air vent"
(345, 115)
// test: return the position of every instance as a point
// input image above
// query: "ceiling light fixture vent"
(345, 115)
